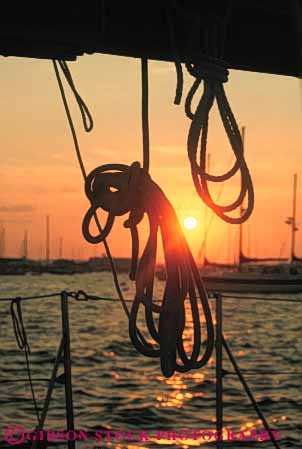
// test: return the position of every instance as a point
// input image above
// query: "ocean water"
(116, 388)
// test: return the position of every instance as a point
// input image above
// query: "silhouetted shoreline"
(22, 266)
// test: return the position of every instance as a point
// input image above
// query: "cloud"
(17, 208)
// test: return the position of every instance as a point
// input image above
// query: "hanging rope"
(68, 77)
(212, 70)
(145, 114)
(120, 189)
(22, 342)
(130, 189)
(178, 67)
(104, 232)
(214, 74)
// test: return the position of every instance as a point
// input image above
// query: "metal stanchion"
(219, 372)
(67, 367)
(221, 344)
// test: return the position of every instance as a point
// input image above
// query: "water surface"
(116, 388)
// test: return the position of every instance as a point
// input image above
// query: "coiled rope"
(135, 192)
(120, 189)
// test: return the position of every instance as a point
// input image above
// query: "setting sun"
(190, 223)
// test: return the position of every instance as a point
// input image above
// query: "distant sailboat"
(2, 241)
(47, 240)
(24, 246)
(242, 258)
(269, 279)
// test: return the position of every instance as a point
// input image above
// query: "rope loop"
(18, 324)
(85, 113)
(22, 342)
(214, 73)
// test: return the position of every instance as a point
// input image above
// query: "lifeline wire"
(80, 295)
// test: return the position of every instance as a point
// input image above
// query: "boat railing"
(64, 355)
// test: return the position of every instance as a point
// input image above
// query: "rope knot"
(211, 69)
(81, 295)
(115, 188)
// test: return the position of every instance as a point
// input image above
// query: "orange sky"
(40, 175)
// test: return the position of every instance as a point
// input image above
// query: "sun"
(190, 223)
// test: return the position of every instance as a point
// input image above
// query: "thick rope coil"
(120, 189)
(213, 73)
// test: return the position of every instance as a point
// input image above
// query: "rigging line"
(22, 343)
(177, 60)
(249, 392)
(69, 118)
(81, 163)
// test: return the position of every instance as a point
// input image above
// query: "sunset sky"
(40, 174)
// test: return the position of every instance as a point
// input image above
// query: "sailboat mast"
(293, 221)
(25, 244)
(47, 239)
(241, 207)
(2, 241)
(60, 247)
